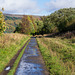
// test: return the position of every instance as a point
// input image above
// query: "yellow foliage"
(2, 23)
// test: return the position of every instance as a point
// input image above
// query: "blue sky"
(35, 7)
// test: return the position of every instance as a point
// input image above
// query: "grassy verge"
(12, 71)
(59, 55)
(9, 45)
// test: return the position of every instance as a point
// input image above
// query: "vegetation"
(11, 18)
(9, 45)
(27, 26)
(12, 71)
(60, 21)
(16, 24)
(39, 26)
(30, 25)
(11, 23)
(59, 55)
(2, 23)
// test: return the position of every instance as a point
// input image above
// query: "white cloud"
(57, 4)
(19, 6)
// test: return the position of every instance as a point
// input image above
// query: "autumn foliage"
(2, 23)
(27, 25)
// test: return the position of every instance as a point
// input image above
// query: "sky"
(34, 7)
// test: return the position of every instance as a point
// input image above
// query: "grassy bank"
(12, 71)
(59, 55)
(9, 45)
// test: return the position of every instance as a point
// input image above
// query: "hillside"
(60, 21)
(19, 16)
(13, 20)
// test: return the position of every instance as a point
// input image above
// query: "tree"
(60, 21)
(39, 26)
(66, 18)
(2, 23)
(27, 25)
(34, 23)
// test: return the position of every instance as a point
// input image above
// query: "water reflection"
(27, 65)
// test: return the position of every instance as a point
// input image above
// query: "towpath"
(31, 62)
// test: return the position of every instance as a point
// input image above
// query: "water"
(31, 61)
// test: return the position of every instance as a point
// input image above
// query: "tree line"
(29, 25)
(60, 21)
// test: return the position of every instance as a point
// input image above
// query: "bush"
(68, 35)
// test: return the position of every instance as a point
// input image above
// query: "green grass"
(9, 45)
(58, 54)
(12, 71)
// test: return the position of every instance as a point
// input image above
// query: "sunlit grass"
(59, 55)
(12, 71)
(9, 45)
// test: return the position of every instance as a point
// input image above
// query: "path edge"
(12, 61)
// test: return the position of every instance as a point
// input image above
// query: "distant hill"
(13, 15)
(20, 16)
(13, 20)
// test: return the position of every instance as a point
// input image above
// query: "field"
(58, 54)
(9, 45)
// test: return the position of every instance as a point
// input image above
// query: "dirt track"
(32, 62)
(10, 64)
